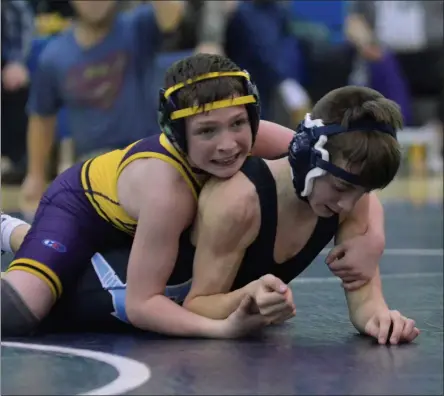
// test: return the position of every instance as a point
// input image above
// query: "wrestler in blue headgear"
(309, 159)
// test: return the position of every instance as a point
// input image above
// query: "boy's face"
(331, 195)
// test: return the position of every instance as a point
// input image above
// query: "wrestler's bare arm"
(228, 222)
(18, 235)
(272, 140)
(369, 296)
(151, 191)
(375, 221)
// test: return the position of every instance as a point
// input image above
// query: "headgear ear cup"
(317, 151)
(308, 158)
(299, 157)
(168, 126)
(161, 111)
(253, 109)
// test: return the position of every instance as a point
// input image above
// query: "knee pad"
(17, 318)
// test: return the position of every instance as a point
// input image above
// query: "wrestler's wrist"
(251, 288)
(218, 328)
(360, 316)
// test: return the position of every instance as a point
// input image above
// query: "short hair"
(376, 154)
(205, 91)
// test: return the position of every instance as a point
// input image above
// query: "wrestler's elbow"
(141, 310)
(136, 310)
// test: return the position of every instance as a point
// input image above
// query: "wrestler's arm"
(368, 310)
(355, 260)
(18, 235)
(364, 302)
(272, 140)
(375, 222)
(164, 207)
(368, 214)
(13, 232)
(227, 223)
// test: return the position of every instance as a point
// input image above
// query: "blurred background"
(67, 96)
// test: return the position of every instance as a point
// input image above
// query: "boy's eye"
(240, 122)
(206, 130)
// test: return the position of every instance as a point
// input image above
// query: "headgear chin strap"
(309, 159)
(171, 118)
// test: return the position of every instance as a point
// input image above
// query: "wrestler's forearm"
(18, 235)
(363, 303)
(376, 221)
(13, 232)
(218, 306)
(161, 315)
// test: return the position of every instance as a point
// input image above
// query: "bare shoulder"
(233, 202)
(359, 213)
(153, 182)
(355, 222)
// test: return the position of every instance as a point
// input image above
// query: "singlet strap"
(257, 171)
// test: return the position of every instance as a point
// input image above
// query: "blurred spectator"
(99, 71)
(212, 26)
(258, 39)
(413, 31)
(185, 36)
(318, 26)
(331, 60)
(17, 34)
(63, 8)
(202, 28)
(272, 57)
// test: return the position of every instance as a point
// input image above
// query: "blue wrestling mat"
(316, 353)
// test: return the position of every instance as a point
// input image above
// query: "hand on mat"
(274, 299)
(354, 261)
(402, 329)
(242, 321)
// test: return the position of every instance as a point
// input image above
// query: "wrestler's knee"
(25, 301)
(17, 318)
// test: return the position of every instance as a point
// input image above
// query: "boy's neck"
(286, 193)
(90, 35)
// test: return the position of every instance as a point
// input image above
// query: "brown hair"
(376, 154)
(205, 91)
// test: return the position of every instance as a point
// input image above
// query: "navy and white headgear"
(309, 159)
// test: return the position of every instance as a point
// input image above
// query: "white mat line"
(131, 373)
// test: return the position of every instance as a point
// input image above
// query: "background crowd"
(70, 94)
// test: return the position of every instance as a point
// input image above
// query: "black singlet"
(259, 257)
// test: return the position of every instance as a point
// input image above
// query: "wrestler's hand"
(384, 320)
(242, 321)
(355, 261)
(274, 299)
